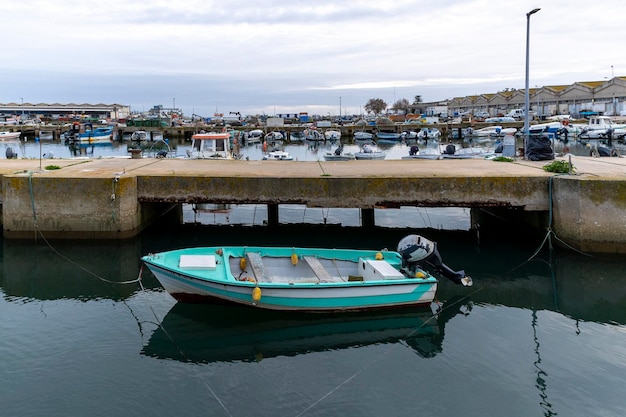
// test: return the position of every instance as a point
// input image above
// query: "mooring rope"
(138, 280)
(380, 357)
(550, 233)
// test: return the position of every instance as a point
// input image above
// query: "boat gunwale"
(229, 278)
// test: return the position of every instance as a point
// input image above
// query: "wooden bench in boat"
(255, 261)
(320, 271)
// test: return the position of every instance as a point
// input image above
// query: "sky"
(275, 56)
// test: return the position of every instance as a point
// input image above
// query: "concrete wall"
(91, 207)
(590, 214)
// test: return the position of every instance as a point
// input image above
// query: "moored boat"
(253, 136)
(332, 135)
(369, 152)
(274, 137)
(87, 134)
(427, 153)
(338, 155)
(210, 145)
(305, 279)
(277, 155)
(363, 135)
(313, 135)
(9, 136)
(388, 136)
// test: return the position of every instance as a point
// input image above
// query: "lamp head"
(533, 11)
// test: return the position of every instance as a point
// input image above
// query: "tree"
(402, 104)
(375, 105)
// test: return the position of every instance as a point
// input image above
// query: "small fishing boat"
(313, 135)
(363, 135)
(296, 136)
(305, 279)
(369, 152)
(9, 136)
(277, 155)
(87, 134)
(428, 153)
(332, 135)
(388, 136)
(210, 145)
(451, 152)
(11, 142)
(274, 137)
(338, 155)
(254, 136)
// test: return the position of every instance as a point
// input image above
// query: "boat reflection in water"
(206, 333)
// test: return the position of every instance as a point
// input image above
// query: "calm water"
(545, 337)
(539, 338)
(303, 152)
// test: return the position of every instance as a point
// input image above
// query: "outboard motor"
(417, 250)
(413, 150)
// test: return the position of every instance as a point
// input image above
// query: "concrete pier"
(116, 198)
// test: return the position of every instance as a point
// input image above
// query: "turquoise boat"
(303, 279)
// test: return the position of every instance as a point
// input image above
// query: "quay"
(115, 198)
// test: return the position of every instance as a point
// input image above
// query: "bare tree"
(375, 105)
(402, 104)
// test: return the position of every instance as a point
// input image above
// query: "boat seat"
(318, 269)
(255, 261)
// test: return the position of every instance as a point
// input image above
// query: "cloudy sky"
(318, 56)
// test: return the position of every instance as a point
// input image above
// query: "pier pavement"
(117, 197)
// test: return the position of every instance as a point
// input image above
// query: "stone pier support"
(75, 208)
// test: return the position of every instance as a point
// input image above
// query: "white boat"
(140, 136)
(277, 155)
(332, 135)
(409, 135)
(451, 152)
(11, 143)
(388, 136)
(363, 135)
(210, 145)
(429, 133)
(369, 152)
(305, 279)
(254, 136)
(274, 137)
(602, 127)
(296, 136)
(9, 136)
(427, 153)
(313, 135)
(338, 155)
(490, 132)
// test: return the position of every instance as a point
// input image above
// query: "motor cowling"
(416, 250)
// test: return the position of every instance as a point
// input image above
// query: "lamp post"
(526, 94)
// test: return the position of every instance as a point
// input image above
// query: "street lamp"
(526, 94)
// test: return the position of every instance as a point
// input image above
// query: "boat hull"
(291, 287)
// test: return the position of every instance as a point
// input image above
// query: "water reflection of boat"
(220, 333)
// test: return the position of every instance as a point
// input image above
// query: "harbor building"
(580, 99)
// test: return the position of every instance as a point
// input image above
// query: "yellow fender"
(294, 259)
(379, 256)
(243, 264)
(256, 294)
